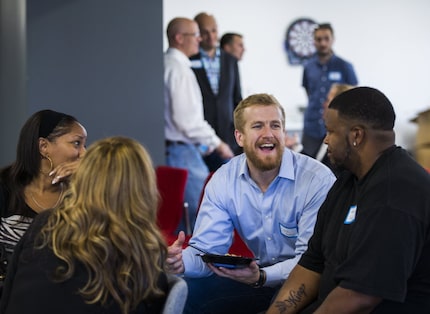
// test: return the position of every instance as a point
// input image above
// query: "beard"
(342, 163)
(266, 163)
(324, 53)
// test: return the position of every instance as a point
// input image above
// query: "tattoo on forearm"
(292, 300)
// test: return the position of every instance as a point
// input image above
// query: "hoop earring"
(51, 165)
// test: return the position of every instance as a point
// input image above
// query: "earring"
(51, 165)
(354, 144)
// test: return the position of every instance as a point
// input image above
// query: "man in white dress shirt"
(188, 135)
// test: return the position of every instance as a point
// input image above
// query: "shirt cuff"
(214, 144)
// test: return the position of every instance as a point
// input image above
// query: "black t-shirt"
(373, 235)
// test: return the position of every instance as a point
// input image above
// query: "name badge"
(288, 232)
(196, 64)
(334, 76)
(350, 217)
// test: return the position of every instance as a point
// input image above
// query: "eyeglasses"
(197, 34)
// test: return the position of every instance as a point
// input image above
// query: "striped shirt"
(12, 228)
(13, 224)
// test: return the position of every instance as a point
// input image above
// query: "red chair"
(238, 247)
(171, 183)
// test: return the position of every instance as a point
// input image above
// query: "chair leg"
(187, 219)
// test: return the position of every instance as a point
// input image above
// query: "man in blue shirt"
(321, 71)
(271, 196)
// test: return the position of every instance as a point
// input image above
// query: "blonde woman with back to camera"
(100, 251)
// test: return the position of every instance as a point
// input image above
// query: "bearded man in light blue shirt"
(271, 196)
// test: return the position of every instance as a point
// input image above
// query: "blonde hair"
(107, 222)
(340, 88)
(255, 100)
(335, 90)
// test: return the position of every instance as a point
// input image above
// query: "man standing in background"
(217, 73)
(233, 44)
(186, 130)
(321, 71)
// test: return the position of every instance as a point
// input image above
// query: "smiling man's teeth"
(267, 146)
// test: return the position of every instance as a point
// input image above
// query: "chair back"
(176, 296)
(171, 183)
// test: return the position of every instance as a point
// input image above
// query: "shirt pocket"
(289, 230)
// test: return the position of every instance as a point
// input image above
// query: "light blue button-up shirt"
(213, 68)
(276, 225)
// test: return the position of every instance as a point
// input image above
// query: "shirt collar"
(179, 55)
(287, 165)
(328, 61)
(205, 55)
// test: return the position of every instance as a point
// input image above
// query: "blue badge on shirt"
(350, 217)
(196, 64)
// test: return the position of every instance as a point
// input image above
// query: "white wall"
(386, 40)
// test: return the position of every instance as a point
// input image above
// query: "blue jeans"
(216, 294)
(188, 156)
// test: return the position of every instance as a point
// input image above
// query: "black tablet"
(227, 261)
